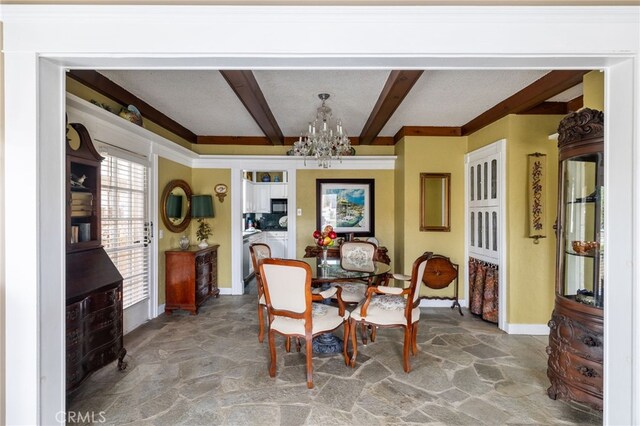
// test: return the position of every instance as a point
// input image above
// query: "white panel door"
(125, 232)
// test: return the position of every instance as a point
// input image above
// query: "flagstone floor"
(209, 369)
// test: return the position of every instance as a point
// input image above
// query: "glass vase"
(325, 251)
(184, 242)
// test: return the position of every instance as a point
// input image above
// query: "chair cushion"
(388, 311)
(389, 302)
(324, 318)
(262, 300)
(352, 292)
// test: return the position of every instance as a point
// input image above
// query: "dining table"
(336, 270)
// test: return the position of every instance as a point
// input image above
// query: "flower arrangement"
(326, 238)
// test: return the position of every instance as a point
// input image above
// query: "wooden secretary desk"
(94, 311)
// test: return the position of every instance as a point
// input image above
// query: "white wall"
(413, 37)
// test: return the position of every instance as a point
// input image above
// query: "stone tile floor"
(209, 369)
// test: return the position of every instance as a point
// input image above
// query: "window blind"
(125, 224)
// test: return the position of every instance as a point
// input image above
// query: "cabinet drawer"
(102, 318)
(203, 270)
(102, 355)
(202, 293)
(101, 337)
(98, 301)
(74, 336)
(586, 344)
(74, 313)
(203, 259)
(586, 373)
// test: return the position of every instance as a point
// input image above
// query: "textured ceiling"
(203, 102)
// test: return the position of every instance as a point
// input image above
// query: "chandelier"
(321, 141)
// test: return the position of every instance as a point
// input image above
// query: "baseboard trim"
(531, 329)
(160, 309)
(226, 291)
(434, 303)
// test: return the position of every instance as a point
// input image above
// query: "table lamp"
(201, 208)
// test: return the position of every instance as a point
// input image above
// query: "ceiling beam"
(547, 108)
(395, 89)
(575, 104)
(537, 92)
(426, 131)
(101, 84)
(246, 87)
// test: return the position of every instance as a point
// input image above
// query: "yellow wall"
(88, 94)
(530, 267)
(593, 90)
(168, 171)
(431, 155)
(203, 182)
(306, 200)
(400, 211)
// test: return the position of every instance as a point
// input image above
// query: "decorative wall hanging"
(536, 170)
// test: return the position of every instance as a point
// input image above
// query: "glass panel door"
(582, 228)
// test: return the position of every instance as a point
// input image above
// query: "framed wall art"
(346, 204)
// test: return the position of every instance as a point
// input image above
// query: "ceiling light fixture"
(321, 141)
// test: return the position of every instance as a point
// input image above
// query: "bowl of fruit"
(325, 239)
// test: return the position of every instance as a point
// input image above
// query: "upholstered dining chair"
(287, 291)
(259, 252)
(386, 306)
(357, 256)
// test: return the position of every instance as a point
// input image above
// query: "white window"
(125, 224)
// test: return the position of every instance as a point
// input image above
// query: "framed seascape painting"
(346, 204)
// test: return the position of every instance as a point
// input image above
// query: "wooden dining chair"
(287, 290)
(259, 252)
(356, 255)
(386, 306)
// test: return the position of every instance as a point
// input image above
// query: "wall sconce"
(201, 208)
(221, 191)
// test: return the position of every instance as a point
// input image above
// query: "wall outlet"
(299, 212)
(161, 234)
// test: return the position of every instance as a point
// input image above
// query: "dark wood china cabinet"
(94, 322)
(576, 326)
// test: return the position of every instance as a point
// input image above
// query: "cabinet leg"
(455, 303)
(122, 365)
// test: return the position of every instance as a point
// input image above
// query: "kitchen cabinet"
(262, 198)
(256, 196)
(247, 265)
(278, 190)
(247, 197)
(277, 241)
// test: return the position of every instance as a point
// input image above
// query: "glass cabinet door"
(582, 196)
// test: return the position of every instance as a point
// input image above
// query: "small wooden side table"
(440, 273)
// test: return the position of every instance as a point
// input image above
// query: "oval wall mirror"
(434, 201)
(176, 205)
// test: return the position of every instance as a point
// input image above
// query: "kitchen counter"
(247, 233)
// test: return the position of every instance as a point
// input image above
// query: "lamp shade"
(201, 206)
(174, 206)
